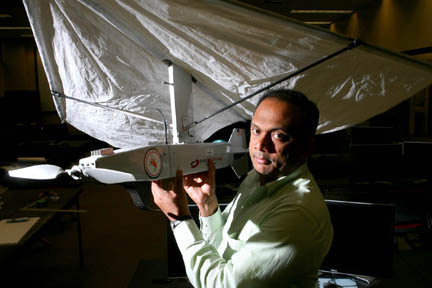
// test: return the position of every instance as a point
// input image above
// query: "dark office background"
(383, 160)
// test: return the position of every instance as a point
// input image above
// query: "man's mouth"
(262, 159)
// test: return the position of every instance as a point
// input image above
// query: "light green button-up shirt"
(275, 235)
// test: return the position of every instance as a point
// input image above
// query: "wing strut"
(60, 95)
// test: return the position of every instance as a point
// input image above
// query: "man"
(277, 230)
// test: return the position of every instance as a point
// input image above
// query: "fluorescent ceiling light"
(318, 22)
(322, 11)
(15, 28)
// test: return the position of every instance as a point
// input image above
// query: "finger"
(167, 184)
(155, 190)
(212, 168)
(190, 181)
(155, 185)
(211, 173)
(186, 180)
(179, 181)
(179, 173)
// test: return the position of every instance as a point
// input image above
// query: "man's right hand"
(201, 189)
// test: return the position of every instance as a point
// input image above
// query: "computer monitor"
(363, 240)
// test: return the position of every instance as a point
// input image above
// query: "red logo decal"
(195, 163)
(153, 162)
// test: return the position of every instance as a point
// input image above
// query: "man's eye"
(280, 136)
(255, 131)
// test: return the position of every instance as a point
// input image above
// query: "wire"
(350, 46)
(165, 125)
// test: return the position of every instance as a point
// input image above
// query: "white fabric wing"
(110, 52)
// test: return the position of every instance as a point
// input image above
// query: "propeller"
(45, 172)
(37, 172)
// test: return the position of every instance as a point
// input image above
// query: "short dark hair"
(308, 110)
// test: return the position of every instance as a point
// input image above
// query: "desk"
(411, 268)
(154, 274)
(16, 199)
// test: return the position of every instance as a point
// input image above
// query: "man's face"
(271, 143)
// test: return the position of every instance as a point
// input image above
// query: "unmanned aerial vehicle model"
(154, 162)
(149, 163)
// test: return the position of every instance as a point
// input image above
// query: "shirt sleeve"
(211, 228)
(269, 257)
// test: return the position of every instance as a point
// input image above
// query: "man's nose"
(264, 143)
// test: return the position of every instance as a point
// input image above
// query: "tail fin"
(238, 143)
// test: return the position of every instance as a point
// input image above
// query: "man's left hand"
(169, 195)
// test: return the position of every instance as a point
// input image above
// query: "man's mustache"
(262, 155)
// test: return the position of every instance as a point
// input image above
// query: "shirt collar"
(273, 186)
